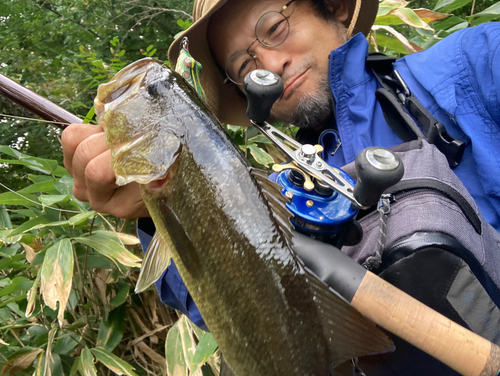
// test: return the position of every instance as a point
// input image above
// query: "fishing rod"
(36, 103)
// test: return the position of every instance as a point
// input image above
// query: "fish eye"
(156, 87)
(153, 89)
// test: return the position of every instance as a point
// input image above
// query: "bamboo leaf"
(449, 23)
(107, 244)
(30, 252)
(36, 223)
(65, 185)
(11, 262)
(114, 363)
(187, 340)
(128, 239)
(45, 166)
(20, 362)
(31, 296)
(111, 330)
(385, 7)
(121, 296)
(260, 155)
(409, 17)
(487, 15)
(5, 222)
(407, 47)
(57, 274)
(10, 152)
(7, 239)
(11, 198)
(206, 347)
(174, 352)
(17, 284)
(446, 6)
(87, 366)
(429, 16)
(43, 186)
(81, 218)
(49, 200)
(32, 223)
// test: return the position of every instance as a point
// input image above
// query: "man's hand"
(87, 159)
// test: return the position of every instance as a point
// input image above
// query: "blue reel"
(322, 212)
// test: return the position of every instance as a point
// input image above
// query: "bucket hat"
(224, 99)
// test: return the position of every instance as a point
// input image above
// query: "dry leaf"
(30, 252)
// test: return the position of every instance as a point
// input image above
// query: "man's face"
(301, 60)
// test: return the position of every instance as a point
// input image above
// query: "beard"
(314, 108)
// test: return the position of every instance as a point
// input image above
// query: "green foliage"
(66, 274)
(399, 30)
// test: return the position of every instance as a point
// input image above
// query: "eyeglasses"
(271, 30)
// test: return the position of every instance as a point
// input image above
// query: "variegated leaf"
(107, 244)
(57, 274)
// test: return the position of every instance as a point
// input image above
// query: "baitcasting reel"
(324, 200)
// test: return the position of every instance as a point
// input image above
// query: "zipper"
(419, 186)
(408, 188)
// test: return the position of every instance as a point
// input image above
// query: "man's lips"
(293, 84)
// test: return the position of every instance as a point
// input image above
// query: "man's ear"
(338, 8)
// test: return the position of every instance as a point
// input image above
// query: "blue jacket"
(457, 80)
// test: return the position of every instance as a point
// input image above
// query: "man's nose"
(272, 59)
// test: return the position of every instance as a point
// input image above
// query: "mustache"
(291, 73)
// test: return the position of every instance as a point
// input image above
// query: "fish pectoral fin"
(224, 369)
(181, 240)
(277, 202)
(156, 261)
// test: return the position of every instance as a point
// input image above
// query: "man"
(439, 78)
(329, 93)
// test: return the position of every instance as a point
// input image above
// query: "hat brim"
(225, 100)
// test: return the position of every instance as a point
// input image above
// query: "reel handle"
(377, 169)
(262, 89)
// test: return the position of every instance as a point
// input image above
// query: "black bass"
(225, 226)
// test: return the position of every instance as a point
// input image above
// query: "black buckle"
(434, 131)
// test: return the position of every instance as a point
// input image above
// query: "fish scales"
(245, 264)
(253, 293)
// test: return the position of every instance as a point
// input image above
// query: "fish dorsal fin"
(347, 332)
(155, 262)
(276, 200)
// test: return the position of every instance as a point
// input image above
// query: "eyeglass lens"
(271, 30)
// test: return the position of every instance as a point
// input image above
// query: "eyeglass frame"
(253, 55)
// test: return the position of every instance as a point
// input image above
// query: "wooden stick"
(452, 344)
(36, 103)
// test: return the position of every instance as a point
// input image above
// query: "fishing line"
(39, 120)
(64, 210)
(49, 207)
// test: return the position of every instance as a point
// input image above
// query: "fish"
(226, 226)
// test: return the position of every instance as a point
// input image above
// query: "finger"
(72, 136)
(90, 148)
(106, 197)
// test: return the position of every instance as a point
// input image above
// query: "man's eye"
(245, 67)
(276, 29)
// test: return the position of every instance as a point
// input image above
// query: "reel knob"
(377, 169)
(262, 88)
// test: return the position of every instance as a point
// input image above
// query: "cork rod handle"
(396, 311)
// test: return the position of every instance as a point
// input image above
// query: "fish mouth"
(124, 86)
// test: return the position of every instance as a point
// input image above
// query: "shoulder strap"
(398, 103)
